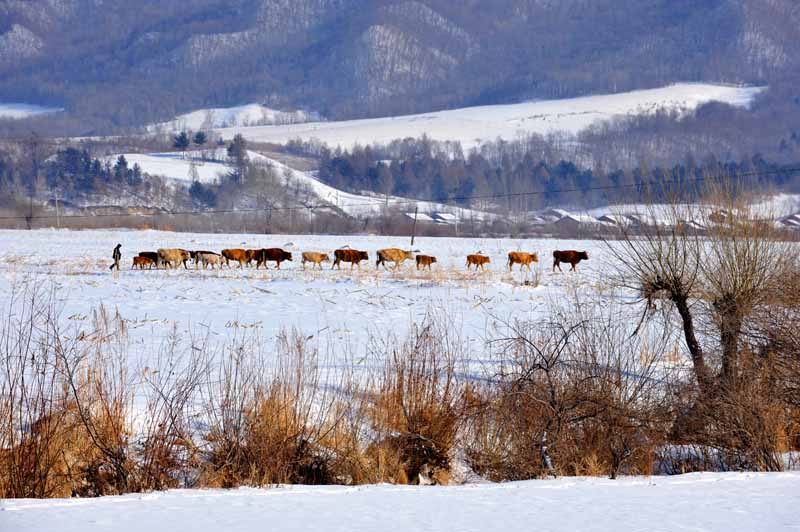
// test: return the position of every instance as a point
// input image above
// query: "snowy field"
(699, 502)
(24, 110)
(474, 125)
(338, 307)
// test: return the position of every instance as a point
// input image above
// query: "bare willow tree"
(722, 266)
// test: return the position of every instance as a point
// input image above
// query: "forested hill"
(117, 62)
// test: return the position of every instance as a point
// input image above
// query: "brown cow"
(425, 260)
(276, 255)
(152, 255)
(235, 254)
(571, 256)
(353, 256)
(521, 258)
(251, 255)
(392, 255)
(477, 260)
(315, 258)
(141, 262)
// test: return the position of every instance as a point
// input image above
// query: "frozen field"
(474, 125)
(701, 502)
(341, 306)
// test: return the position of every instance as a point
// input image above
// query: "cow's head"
(583, 255)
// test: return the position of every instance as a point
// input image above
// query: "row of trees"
(441, 172)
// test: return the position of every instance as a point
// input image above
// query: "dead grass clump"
(418, 411)
(271, 427)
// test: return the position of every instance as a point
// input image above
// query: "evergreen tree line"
(424, 169)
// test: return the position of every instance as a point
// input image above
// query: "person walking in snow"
(116, 256)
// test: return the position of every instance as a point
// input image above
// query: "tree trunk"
(695, 350)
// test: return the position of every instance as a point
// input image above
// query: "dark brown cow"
(425, 261)
(569, 256)
(477, 260)
(152, 255)
(235, 254)
(276, 255)
(353, 256)
(521, 258)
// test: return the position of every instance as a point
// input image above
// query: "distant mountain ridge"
(116, 62)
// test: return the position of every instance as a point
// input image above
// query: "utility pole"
(414, 228)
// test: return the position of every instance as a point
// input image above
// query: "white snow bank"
(243, 115)
(24, 110)
(727, 502)
(474, 125)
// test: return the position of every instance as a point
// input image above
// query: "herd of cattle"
(174, 257)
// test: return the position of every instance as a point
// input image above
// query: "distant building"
(577, 222)
(421, 217)
(446, 218)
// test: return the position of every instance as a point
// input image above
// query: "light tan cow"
(392, 255)
(173, 257)
(315, 258)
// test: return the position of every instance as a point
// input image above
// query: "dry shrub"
(574, 396)
(272, 427)
(418, 408)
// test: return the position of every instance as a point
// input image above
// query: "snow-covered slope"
(24, 110)
(474, 125)
(729, 502)
(243, 115)
(177, 166)
(174, 165)
(360, 205)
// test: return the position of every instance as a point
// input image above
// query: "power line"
(408, 202)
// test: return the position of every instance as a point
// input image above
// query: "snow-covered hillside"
(175, 165)
(729, 502)
(474, 125)
(243, 115)
(178, 166)
(24, 110)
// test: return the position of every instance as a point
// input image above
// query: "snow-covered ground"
(340, 308)
(474, 125)
(702, 502)
(24, 110)
(243, 115)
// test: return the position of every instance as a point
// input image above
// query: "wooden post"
(414, 228)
